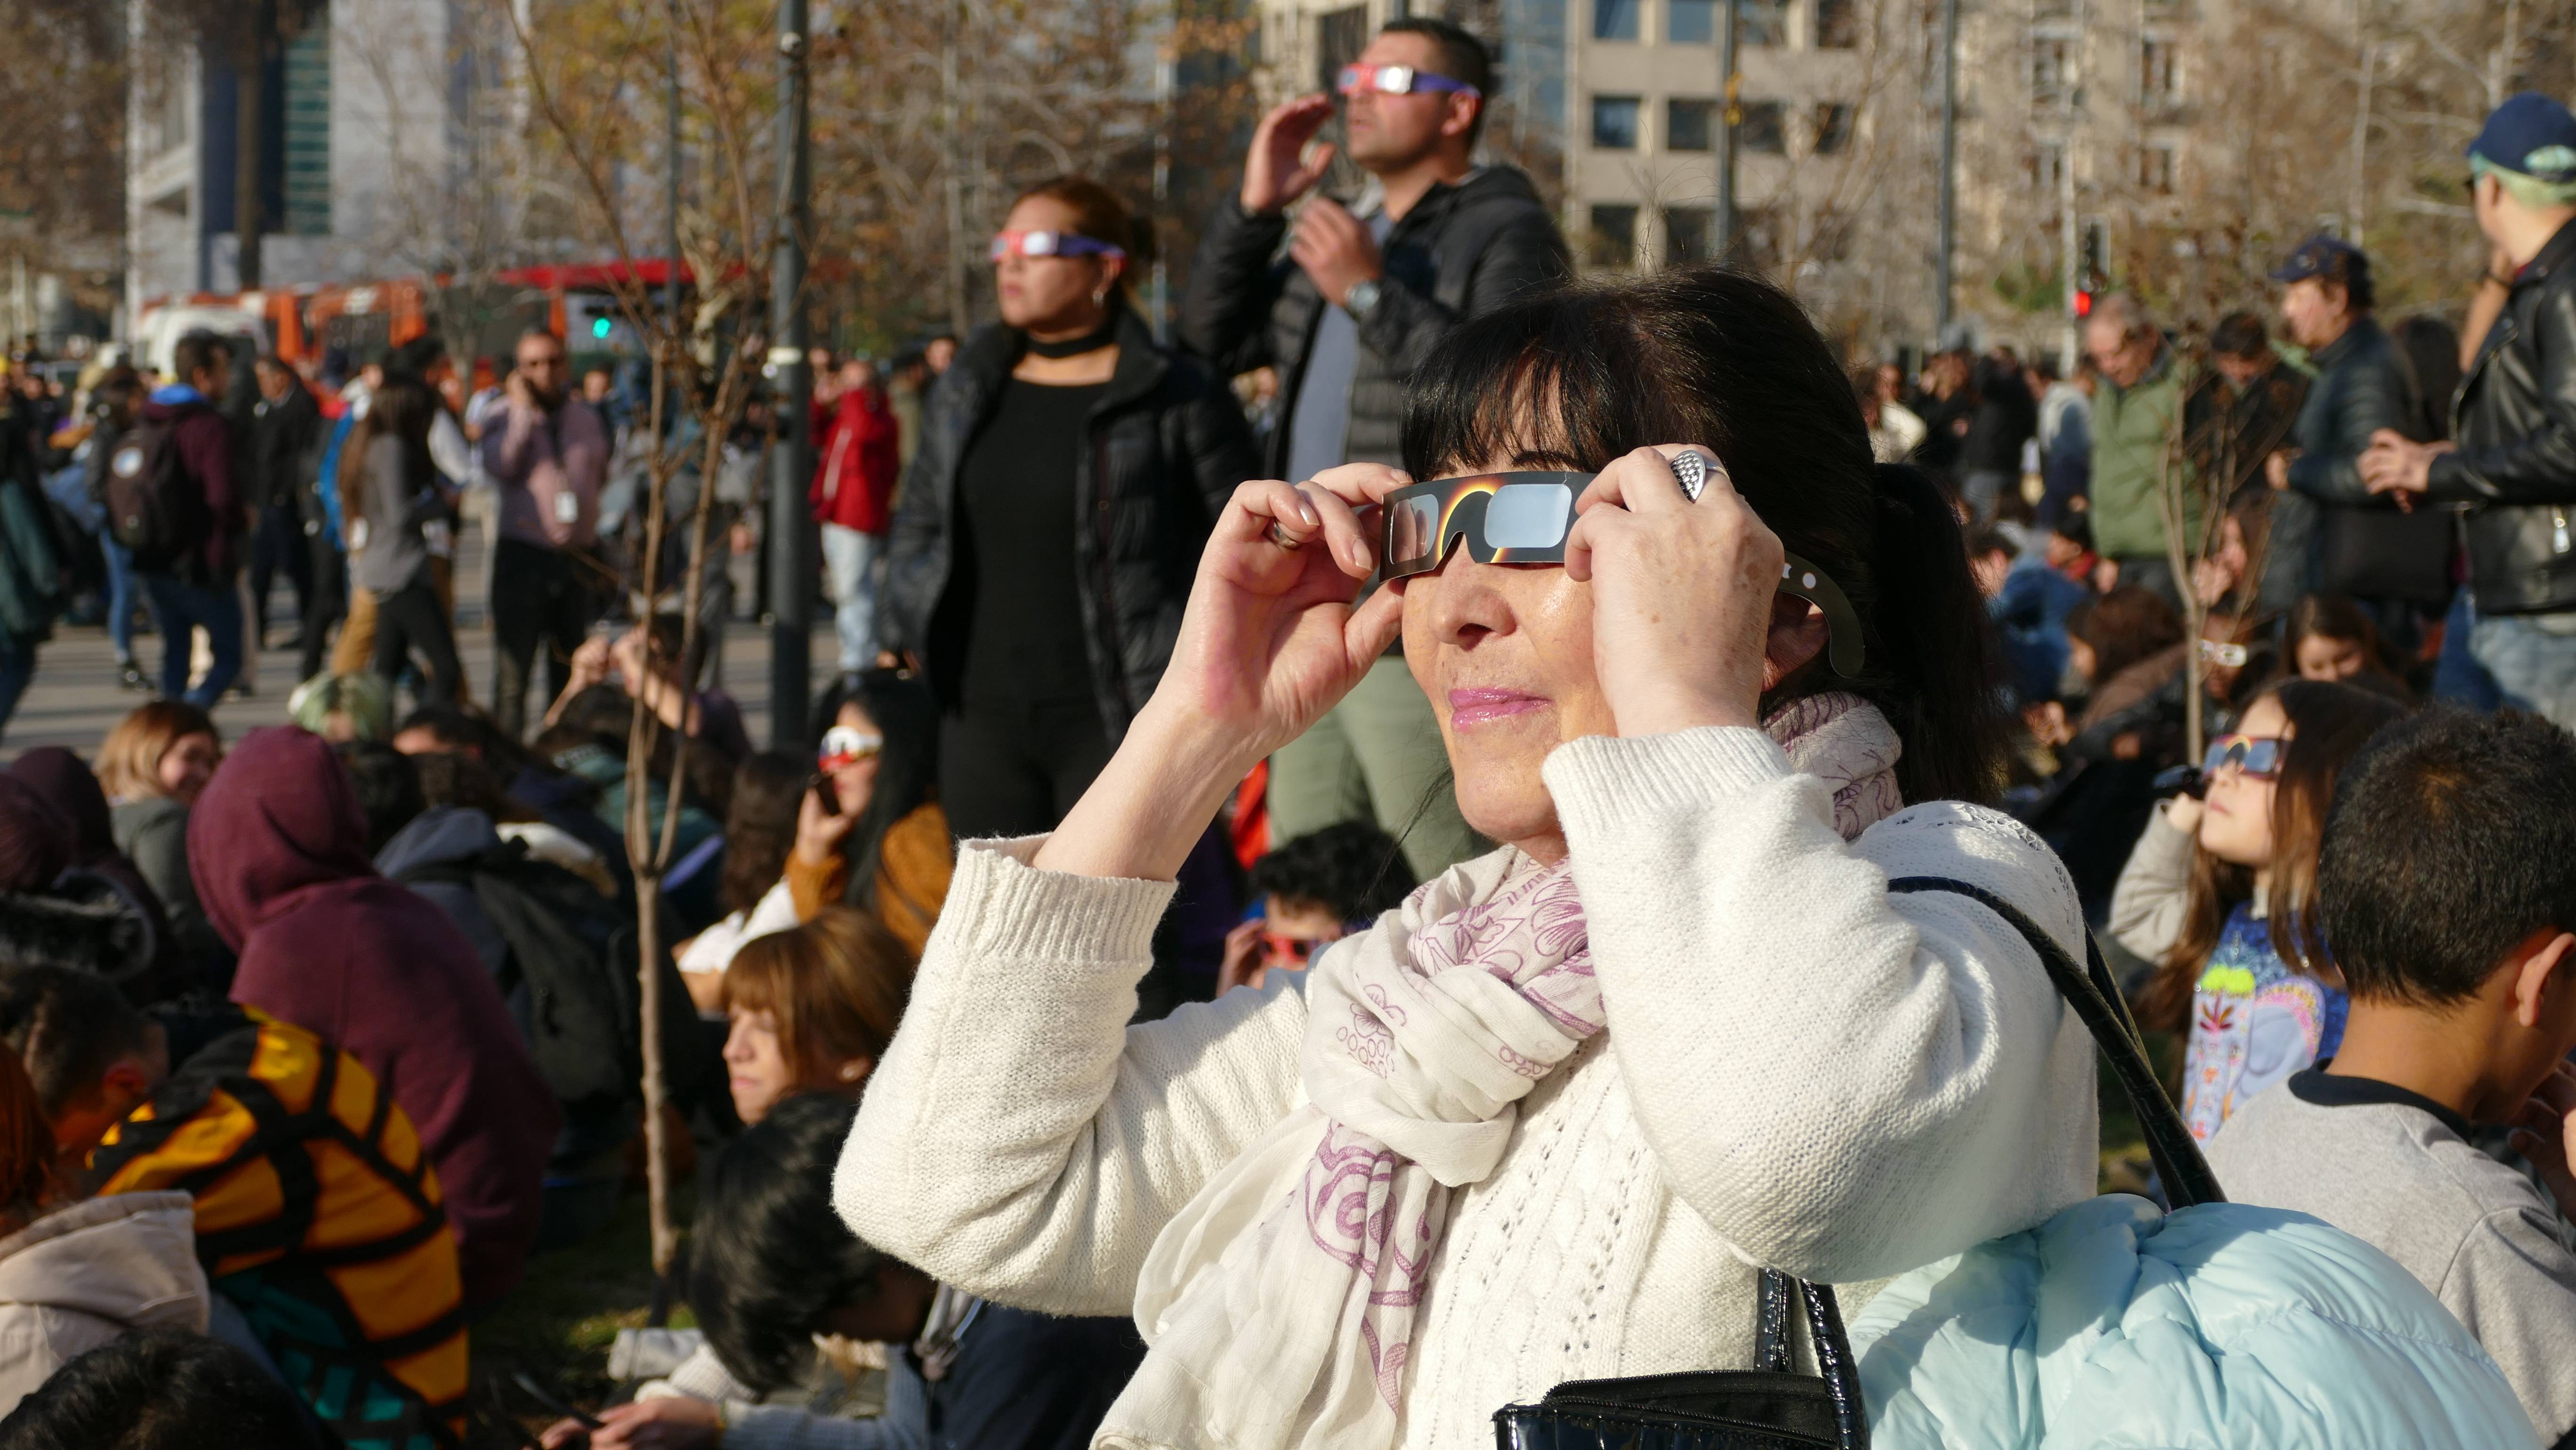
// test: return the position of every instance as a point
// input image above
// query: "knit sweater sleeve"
(1020, 1140)
(1842, 1082)
(2147, 905)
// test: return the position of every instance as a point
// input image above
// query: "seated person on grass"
(317, 1215)
(2448, 888)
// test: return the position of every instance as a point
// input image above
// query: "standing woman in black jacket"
(1068, 475)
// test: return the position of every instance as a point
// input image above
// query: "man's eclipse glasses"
(1523, 518)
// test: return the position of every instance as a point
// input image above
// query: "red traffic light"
(2083, 303)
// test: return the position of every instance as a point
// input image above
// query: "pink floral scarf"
(1281, 1302)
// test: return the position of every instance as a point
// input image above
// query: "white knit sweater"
(1800, 1070)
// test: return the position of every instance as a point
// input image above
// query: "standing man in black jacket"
(283, 425)
(2513, 459)
(2395, 564)
(1356, 300)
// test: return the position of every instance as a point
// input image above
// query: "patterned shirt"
(2255, 1020)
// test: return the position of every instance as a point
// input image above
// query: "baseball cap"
(2530, 134)
(2314, 256)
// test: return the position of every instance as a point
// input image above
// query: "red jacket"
(855, 462)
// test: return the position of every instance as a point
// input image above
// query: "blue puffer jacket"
(2218, 1326)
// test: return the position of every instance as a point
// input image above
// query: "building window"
(1762, 22)
(2159, 81)
(307, 108)
(1837, 24)
(2046, 172)
(1340, 36)
(1690, 234)
(2156, 168)
(1833, 127)
(1761, 239)
(1615, 19)
(1761, 130)
(2053, 10)
(1614, 123)
(1613, 242)
(1689, 124)
(1691, 22)
(2052, 71)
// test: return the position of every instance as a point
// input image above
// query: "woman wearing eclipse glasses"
(1068, 475)
(1539, 1123)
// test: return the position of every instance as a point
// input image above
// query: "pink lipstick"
(1481, 707)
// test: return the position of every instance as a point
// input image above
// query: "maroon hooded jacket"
(278, 851)
(206, 456)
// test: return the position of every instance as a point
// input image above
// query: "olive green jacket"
(2131, 427)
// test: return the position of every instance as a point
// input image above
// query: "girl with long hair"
(389, 489)
(153, 764)
(2221, 893)
(1541, 1122)
(873, 832)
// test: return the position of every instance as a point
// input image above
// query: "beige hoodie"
(79, 1277)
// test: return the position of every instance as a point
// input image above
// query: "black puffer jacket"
(2515, 466)
(2365, 544)
(1462, 250)
(1167, 447)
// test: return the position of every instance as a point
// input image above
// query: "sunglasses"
(2224, 655)
(844, 746)
(1040, 243)
(1523, 518)
(2257, 757)
(1397, 80)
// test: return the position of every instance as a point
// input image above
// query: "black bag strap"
(2097, 1002)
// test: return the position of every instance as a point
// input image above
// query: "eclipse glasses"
(1397, 80)
(1523, 518)
(1040, 243)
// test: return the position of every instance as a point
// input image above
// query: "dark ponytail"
(1945, 702)
(1581, 375)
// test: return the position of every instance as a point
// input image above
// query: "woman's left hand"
(669, 1423)
(1685, 597)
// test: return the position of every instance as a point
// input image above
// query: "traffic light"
(2083, 302)
(2090, 274)
(599, 328)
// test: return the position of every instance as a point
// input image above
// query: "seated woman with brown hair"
(813, 1008)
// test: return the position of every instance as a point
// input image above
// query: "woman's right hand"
(1270, 639)
(2183, 813)
(1269, 642)
(819, 832)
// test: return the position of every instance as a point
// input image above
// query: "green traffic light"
(599, 327)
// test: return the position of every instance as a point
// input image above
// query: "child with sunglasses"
(2221, 893)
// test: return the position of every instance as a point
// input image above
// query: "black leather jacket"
(1462, 250)
(1165, 447)
(2515, 422)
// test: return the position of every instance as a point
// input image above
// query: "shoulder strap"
(2097, 1002)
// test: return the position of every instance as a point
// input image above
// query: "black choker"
(1105, 336)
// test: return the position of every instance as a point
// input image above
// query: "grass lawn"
(558, 1324)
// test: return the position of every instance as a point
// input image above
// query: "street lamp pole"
(1722, 144)
(793, 545)
(1942, 271)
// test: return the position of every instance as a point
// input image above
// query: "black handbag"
(1772, 1406)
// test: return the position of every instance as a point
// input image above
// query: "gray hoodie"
(77, 1278)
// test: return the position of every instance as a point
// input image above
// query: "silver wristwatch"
(1361, 299)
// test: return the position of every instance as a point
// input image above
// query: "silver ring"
(1285, 539)
(1690, 470)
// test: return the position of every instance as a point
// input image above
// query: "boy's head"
(1316, 887)
(91, 1055)
(2448, 882)
(388, 785)
(160, 1389)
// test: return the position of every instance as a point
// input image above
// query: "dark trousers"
(539, 598)
(1014, 770)
(328, 604)
(411, 618)
(279, 544)
(178, 608)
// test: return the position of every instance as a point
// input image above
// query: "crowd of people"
(1303, 927)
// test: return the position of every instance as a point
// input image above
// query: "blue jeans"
(120, 598)
(2457, 675)
(2532, 659)
(17, 667)
(177, 608)
(852, 557)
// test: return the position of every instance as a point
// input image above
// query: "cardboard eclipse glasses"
(1523, 518)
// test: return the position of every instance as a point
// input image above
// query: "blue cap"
(2531, 134)
(2314, 256)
